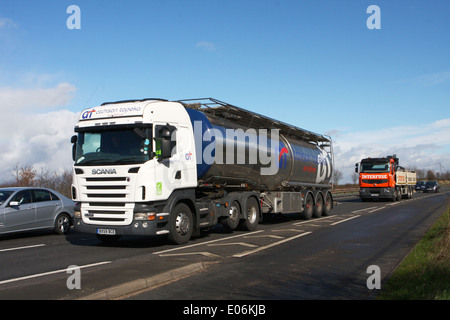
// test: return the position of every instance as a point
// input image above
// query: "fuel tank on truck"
(235, 146)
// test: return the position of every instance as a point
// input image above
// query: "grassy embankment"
(425, 273)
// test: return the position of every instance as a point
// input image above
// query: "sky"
(316, 64)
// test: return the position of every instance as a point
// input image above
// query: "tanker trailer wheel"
(251, 215)
(318, 207)
(234, 213)
(327, 205)
(181, 224)
(308, 208)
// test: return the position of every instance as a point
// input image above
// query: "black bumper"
(136, 228)
(377, 193)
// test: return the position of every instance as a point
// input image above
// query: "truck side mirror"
(74, 140)
(166, 148)
(356, 167)
(164, 141)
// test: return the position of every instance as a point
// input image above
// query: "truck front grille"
(373, 181)
(107, 201)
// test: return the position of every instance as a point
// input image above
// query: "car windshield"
(431, 183)
(374, 167)
(4, 195)
(113, 146)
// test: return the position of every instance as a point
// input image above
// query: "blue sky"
(311, 63)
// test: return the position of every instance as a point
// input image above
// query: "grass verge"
(425, 273)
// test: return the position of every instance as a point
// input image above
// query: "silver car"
(25, 209)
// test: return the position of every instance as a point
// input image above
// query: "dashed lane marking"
(25, 247)
(337, 222)
(51, 272)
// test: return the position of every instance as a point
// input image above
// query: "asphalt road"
(286, 258)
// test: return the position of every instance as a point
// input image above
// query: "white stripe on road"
(20, 248)
(335, 223)
(51, 272)
(207, 242)
(364, 209)
(246, 253)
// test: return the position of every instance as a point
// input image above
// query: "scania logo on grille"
(104, 171)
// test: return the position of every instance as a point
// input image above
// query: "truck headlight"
(145, 216)
(77, 214)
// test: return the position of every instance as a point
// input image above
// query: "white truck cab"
(119, 164)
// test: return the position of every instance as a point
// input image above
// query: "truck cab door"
(167, 165)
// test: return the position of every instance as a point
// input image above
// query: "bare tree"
(337, 176)
(27, 176)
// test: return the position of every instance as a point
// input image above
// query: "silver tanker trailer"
(153, 167)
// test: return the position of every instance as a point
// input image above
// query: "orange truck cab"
(383, 178)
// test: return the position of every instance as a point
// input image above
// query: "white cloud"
(18, 98)
(7, 23)
(423, 147)
(31, 134)
(206, 45)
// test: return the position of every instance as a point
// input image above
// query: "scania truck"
(384, 178)
(158, 167)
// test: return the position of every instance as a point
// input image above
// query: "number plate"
(109, 232)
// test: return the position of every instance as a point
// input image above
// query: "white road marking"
(207, 242)
(266, 236)
(337, 222)
(203, 253)
(377, 209)
(233, 243)
(364, 209)
(282, 230)
(246, 253)
(51, 272)
(25, 247)
(314, 220)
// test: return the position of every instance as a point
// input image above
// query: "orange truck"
(383, 178)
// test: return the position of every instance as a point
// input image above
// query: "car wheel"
(62, 224)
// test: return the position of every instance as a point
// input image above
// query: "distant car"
(26, 209)
(420, 185)
(431, 186)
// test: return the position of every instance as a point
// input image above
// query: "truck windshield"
(118, 146)
(374, 167)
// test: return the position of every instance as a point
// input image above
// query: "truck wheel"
(318, 208)
(327, 205)
(395, 196)
(308, 208)
(180, 224)
(232, 221)
(251, 215)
